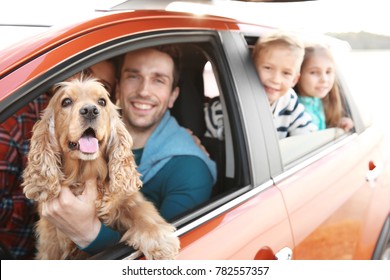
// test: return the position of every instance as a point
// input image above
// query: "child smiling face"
(278, 69)
(317, 75)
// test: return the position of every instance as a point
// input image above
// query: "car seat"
(189, 110)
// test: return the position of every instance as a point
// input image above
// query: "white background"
(312, 16)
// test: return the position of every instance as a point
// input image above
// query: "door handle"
(374, 170)
(284, 254)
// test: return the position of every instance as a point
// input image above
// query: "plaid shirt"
(17, 213)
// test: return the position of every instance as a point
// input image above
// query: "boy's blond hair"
(280, 38)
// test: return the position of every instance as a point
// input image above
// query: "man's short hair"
(174, 52)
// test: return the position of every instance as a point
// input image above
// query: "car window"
(294, 149)
(297, 148)
(203, 81)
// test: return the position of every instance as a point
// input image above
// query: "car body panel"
(261, 231)
(329, 217)
(107, 27)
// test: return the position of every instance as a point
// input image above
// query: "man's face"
(278, 71)
(145, 88)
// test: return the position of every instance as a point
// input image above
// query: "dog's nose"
(89, 112)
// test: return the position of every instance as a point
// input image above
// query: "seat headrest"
(188, 108)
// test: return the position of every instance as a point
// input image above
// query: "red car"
(325, 195)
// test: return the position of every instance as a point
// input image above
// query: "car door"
(248, 220)
(333, 183)
(334, 189)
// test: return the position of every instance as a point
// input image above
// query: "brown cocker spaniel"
(79, 137)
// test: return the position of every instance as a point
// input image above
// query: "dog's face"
(81, 118)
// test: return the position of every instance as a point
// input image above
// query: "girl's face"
(317, 76)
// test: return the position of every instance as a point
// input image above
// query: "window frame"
(325, 143)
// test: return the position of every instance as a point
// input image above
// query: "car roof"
(25, 50)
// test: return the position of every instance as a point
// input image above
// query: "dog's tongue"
(88, 144)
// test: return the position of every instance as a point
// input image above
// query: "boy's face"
(277, 68)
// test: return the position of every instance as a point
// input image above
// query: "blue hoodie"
(169, 140)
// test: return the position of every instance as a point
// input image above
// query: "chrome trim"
(211, 215)
(336, 145)
(249, 194)
(134, 256)
(224, 208)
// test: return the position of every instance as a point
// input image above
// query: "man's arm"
(187, 183)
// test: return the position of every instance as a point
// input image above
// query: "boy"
(278, 58)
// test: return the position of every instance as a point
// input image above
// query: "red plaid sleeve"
(17, 213)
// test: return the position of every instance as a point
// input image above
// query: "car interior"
(188, 110)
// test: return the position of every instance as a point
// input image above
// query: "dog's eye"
(102, 102)
(66, 102)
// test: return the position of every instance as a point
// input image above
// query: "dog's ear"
(42, 176)
(121, 164)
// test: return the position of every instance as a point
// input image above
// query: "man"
(169, 160)
(177, 175)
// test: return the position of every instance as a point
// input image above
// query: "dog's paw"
(163, 245)
(39, 194)
(166, 248)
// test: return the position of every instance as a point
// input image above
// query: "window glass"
(210, 83)
(296, 148)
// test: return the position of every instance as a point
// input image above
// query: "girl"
(318, 89)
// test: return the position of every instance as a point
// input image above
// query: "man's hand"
(197, 141)
(74, 215)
